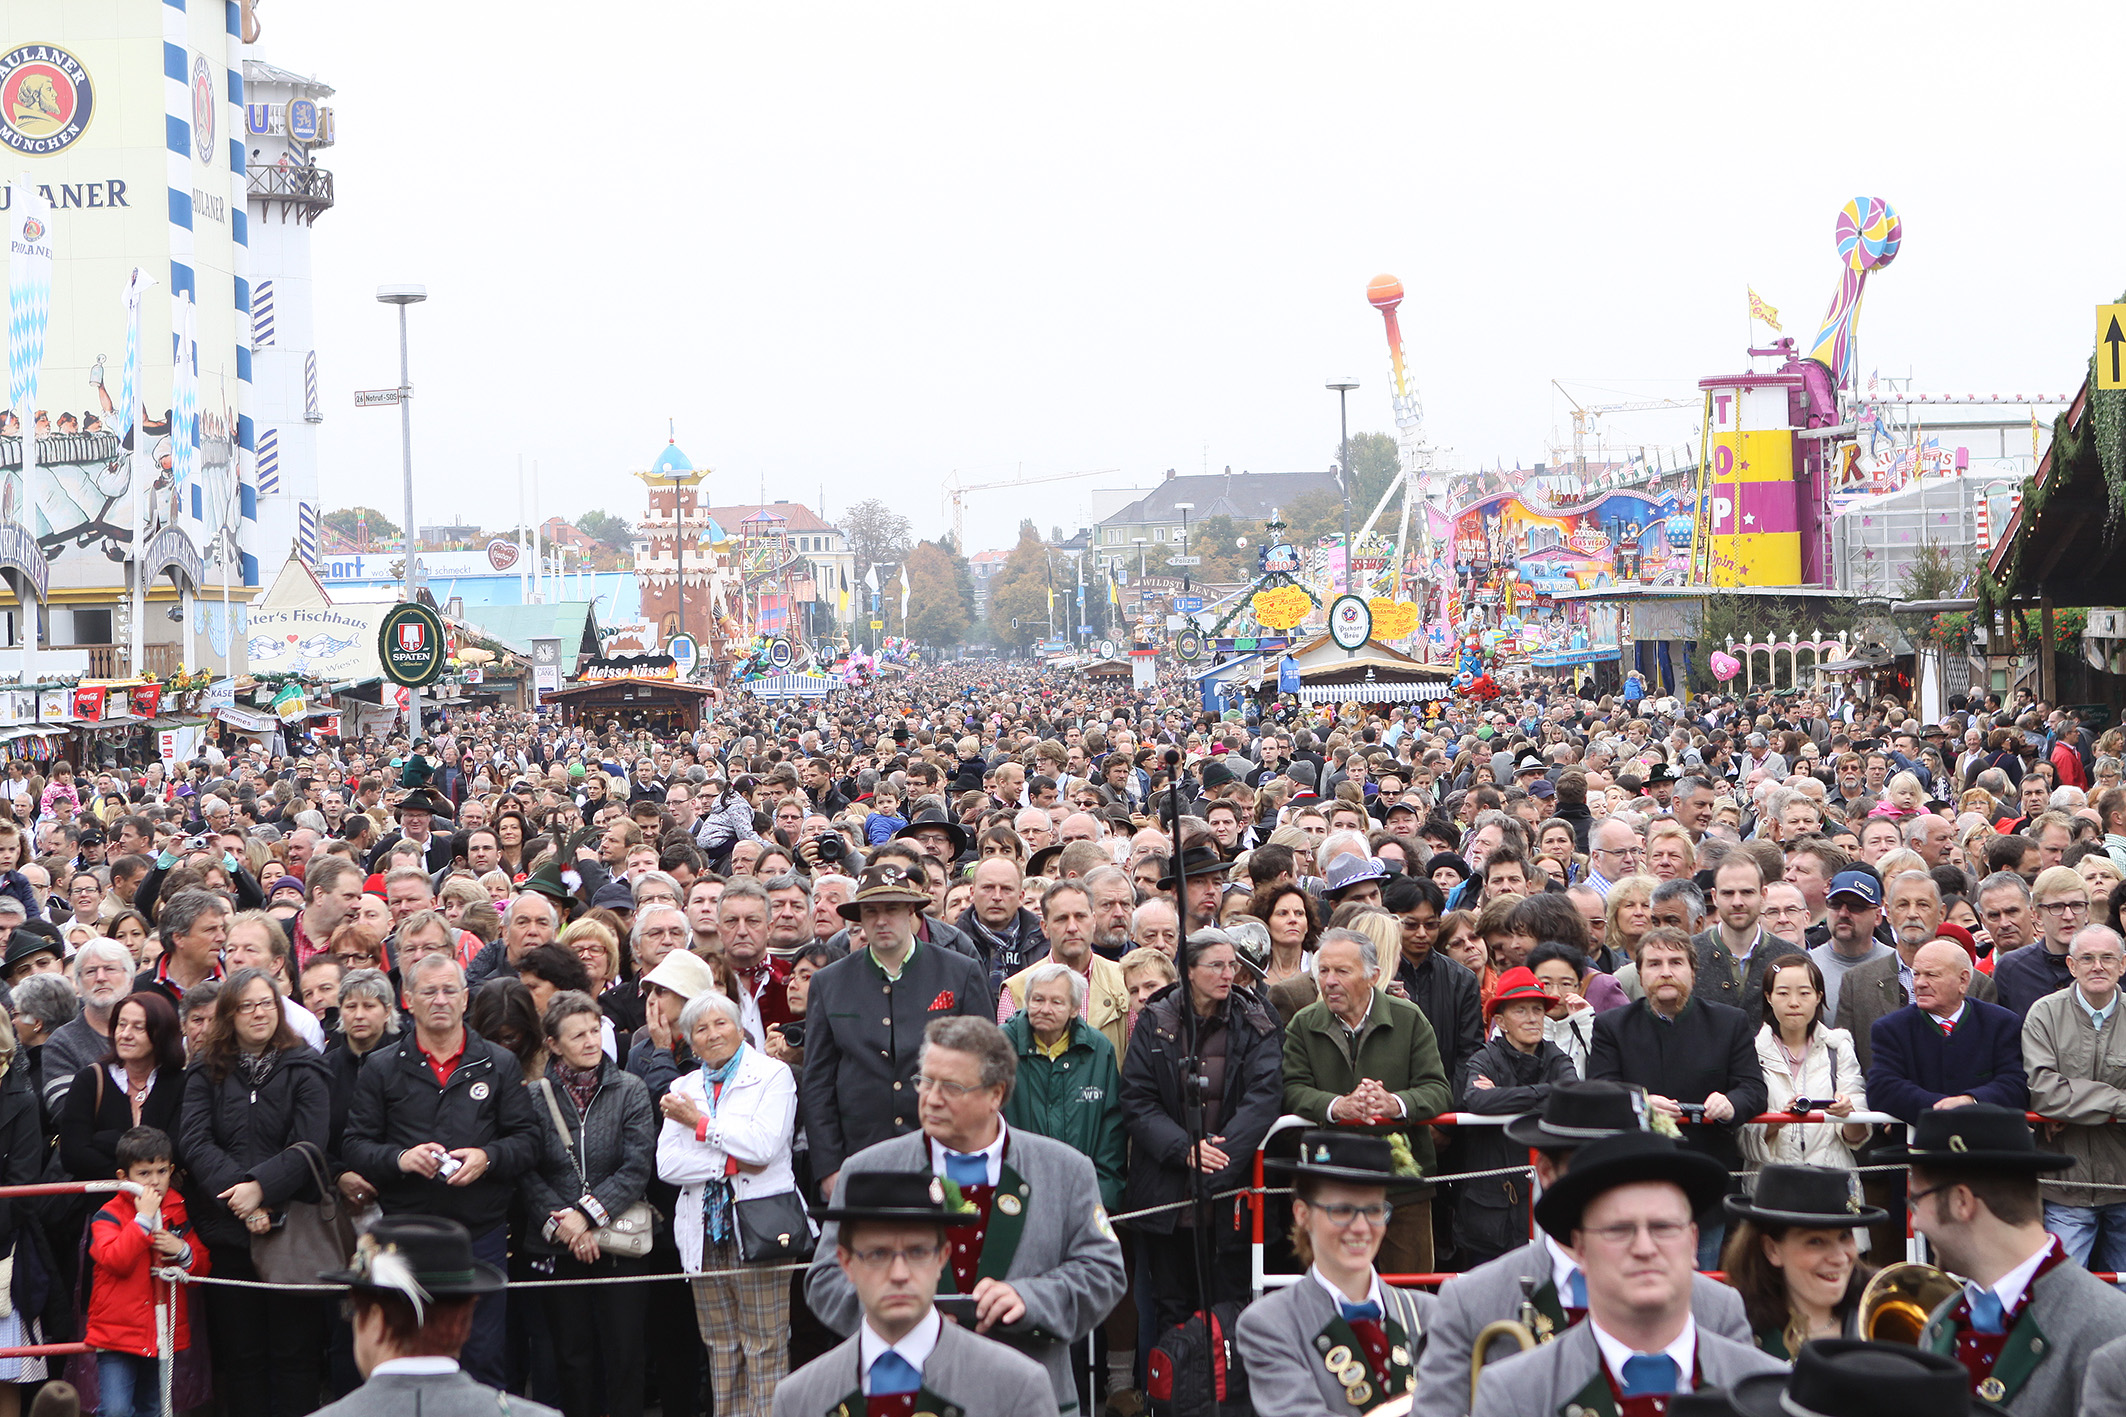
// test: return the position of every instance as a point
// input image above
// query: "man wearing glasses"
(1036, 1255)
(2026, 975)
(2072, 1043)
(1614, 852)
(889, 1233)
(1623, 1214)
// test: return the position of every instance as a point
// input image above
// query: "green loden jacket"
(1075, 1099)
(1394, 1046)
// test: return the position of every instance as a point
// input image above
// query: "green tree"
(607, 530)
(1317, 514)
(877, 534)
(936, 614)
(1375, 463)
(347, 522)
(1020, 593)
(1216, 540)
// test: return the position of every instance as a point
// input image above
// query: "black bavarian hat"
(1197, 860)
(1851, 1377)
(1576, 1113)
(1978, 1137)
(1341, 1154)
(1621, 1160)
(1815, 1197)
(895, 1195)
(935, 820)
(426, 1250)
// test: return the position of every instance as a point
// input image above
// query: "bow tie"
(966, 1170)
(1644, 1373)
(1354, 1313)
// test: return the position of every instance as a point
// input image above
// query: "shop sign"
(411, 645)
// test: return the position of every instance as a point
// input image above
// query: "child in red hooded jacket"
(129, 1238)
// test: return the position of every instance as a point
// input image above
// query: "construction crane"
(956, 492)
(1582, 417)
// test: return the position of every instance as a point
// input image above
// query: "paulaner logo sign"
(46, 99)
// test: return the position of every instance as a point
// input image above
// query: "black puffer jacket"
(615, 1142)
(1253, 1098)
(232, 1132)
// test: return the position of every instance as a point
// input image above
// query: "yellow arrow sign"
(2111, 346)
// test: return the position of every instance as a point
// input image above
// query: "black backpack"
(1190, 1358)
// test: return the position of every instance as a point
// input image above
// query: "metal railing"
(307, 189)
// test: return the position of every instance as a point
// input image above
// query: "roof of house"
(258, 71)
(796, 515)
(573, 622)
(1244, 496)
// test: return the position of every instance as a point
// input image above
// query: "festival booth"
(635, 691)
(1373, 675)
(1112, 668)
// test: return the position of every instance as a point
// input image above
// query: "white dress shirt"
(2010, 1286)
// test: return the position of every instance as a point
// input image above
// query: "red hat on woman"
(1515, 985)
(1958, 933)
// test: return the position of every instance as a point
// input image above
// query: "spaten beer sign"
(411, 646)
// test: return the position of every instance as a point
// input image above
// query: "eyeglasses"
(883, 1258)
(2064, 908)
(432, 995)
(1913, 1198)
(1662, 1232)
(258, 1006)
(1218, 966)
(1342, 1213)
(944, 1085)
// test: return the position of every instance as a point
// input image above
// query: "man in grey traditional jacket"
(888, 1233)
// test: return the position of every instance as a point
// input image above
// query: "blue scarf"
(716, 1194)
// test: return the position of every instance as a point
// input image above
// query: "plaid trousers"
(744, 1318)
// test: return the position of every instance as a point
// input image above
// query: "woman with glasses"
(726, 1138)
(1340, 1340)
(1510, 1075)
(257, 1120)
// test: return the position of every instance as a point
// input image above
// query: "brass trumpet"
(1521, 1331)
(1895, 1306)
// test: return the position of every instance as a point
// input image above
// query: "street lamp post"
(1343, 389)
(1184, 508)
(403, 296)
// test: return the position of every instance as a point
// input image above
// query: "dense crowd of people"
(1022, 974)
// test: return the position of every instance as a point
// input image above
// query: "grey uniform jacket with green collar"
(1058, 1251)
(966, 1376)
(1492, 1291)
(1287, 1337)
(1564, 1378)
(2069, 1317)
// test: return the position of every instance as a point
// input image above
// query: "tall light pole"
(1343, 389)
(403, 296)
(1184, 508)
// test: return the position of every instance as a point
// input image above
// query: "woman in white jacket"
(1804, 1058)
(726, 1138)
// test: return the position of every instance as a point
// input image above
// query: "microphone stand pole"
(1195, 1086)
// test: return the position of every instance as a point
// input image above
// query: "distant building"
(456, 534)
(982, 568)
(1246, 497)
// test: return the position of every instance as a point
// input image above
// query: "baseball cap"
(1858, 883)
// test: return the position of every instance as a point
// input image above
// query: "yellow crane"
(1582, 417)
(956, 492)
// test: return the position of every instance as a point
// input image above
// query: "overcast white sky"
(857, 246)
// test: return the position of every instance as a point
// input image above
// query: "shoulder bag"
(313, 1236)
(628, 1234)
